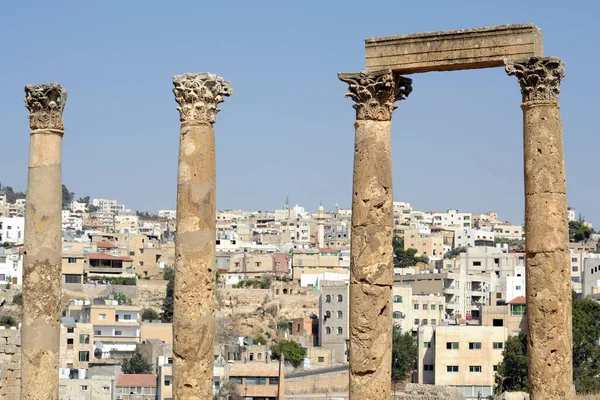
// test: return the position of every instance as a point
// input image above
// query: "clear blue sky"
(287, 130)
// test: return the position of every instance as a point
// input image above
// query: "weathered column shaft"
(548, 272)
(371, 260)
(42, 243)
(193, 307)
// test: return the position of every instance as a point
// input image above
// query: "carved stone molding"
(539, 77)
(45, 103)
(198, 96)
(375, 92)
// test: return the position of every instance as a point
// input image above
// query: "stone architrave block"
(454, 50)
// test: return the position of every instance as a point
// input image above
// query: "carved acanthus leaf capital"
(375, 92)
(539, 77)
(198, 96)
(45, 103)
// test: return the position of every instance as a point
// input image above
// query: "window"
(427, 345)
(106, 389)
(72, 260)
(131, 253)
(118, 333)
(441, 307)
(416, 306)
(397, 315)
(339, 314)
(258, 263)
(340, 298)
(127, 316)
(424, 306)
(575, 269)
(83, 388)
(574, 259)
(250, 381)
(427, 367)
(236, 379)
(141, 263)
(475, 346)
(498, 345)
(433, 307)
(416, 321)
(321, 359)
(433, 322)
(84, 356)
(518, 287)
(424, 322)
(327, 314)
(101, 316)
(72, 278)
(495, 368)
(397, 299)
(84, 339)
(474, 368)
(70, 330)
(98, 333)
(328, 299)
(497, 322)
(141, 251)
(517, 309)
(328, 331)
(477, 263)
(2, 277)
(339, 330)
(452, 345)
(275, 381)
(452, 368)
(169, 360)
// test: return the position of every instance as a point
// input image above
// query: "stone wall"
(414, 391)
(10, 364)
(336, 382)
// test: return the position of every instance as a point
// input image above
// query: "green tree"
(67, 197)
(404, 355)
(85, 200)
(92, 208)
(146, 215)
(228, 391)
(137, 364)
(18, 299)
(516, 244)
(11, 195)
(168, 273)
(586, 353)
(167, 306)
(405, 258)
(579, 231)
(265, 281)
(260, 340)
(7, 321)
(512, 371)
(455, 252)
(292, 351)
(149, 314)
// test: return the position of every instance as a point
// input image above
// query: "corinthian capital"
(539, 77)
(375, 92)
(45, 103)
(198, 96)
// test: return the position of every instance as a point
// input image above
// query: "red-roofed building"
(104, 263)
(104, 245)
(137, 387)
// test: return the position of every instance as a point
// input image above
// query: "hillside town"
(282, 282)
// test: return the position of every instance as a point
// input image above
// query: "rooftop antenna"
(286, 204)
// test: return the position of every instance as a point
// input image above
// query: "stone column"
(42, 243)
(371, 260)
(548, 275)
(193, 310)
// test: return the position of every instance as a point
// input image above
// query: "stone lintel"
(454, 50)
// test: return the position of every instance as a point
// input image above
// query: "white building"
(571, 213)
(72, 220)
(11, 267)
(11, 230)
(468, 237)
(168, 214)
(78, 207)
(452, 218)
(107, 205)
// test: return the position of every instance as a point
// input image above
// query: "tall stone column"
(371, 259)
(548, 272)
(42, 243)
(193, 310)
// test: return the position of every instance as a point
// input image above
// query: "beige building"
(462, 356)
(85, 389)
(426, 245)
(333, 319)
(510, 315)
(317, 261)
(412, 310)
(137, 387)
(76, 344)
(508, 231)
(256, 380)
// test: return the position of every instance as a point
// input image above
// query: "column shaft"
(371, 269)
(548, 268)
(548, 273)
(193, 308)
(42, 245)
(195, 239)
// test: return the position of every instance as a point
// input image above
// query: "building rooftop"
(137, 380)
(106, 245)
(518, 300)
(255, 369)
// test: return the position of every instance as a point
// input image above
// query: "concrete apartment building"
(11, 266)
(109, 206)
(72, 220)
(505, 230)
(167, 214)
(411, 310)
(425, 244)
(137, 387)
(333, 319)
(256, 381)
(84, 389)
(317, 262)
(11, 230)
(462, 356)
(76, 345)
(452, 218)
(463, 292)
(469, 237)
(116, 328)
(591, 277)
(511, 316)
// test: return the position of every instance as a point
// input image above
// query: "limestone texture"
(454, 50)
(415, 391)
(10, 364)
(548, 271)
(195, 251)
(42, 244)
(371, 259)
